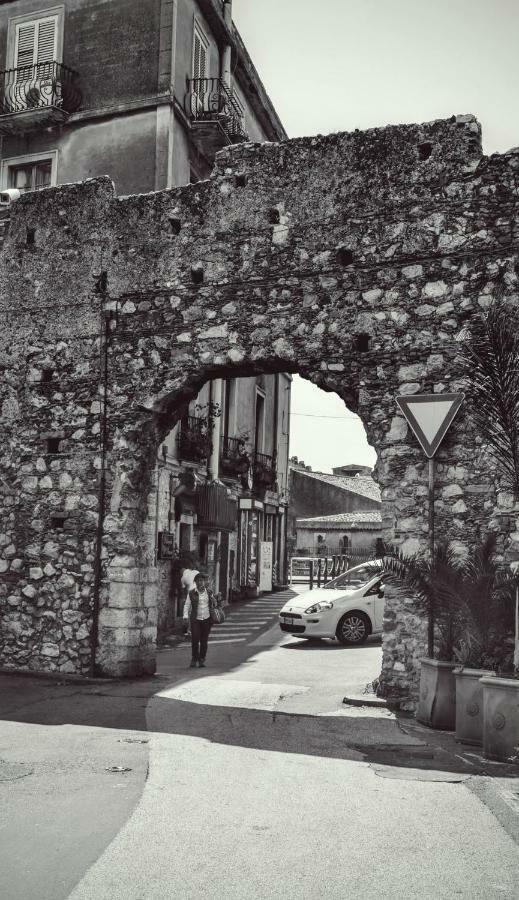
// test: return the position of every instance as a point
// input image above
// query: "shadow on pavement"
(329, 644)
(134, 705)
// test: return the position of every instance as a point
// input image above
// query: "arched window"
(344, 543)
(320, 539)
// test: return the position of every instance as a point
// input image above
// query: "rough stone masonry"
(353, 259)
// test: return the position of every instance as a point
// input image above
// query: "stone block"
(398, 430)
(434, 289)
(51, 650)
(120, 637)
(122, 618)
(125, 595)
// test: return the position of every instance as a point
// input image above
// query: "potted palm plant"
(491, 356)
(432, 584)
(484, 615)
(501, 693)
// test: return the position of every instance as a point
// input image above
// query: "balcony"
(33, 97)
(264, 472)
(215, 509)
(194, 439)
(215, 116)
(234, 459)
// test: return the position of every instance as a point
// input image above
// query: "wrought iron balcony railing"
(194, 439)
(234, 458)
(209, 99)
(49, 85)
(264, 471)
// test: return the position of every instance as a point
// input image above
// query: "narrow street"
(253, 779)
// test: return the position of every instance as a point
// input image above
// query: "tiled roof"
(357, 484)
(352, 520)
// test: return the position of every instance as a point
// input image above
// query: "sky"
(337, 65)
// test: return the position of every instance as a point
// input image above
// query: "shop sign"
(166, 545)
(265, 566)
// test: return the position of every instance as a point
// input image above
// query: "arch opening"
(362, 282)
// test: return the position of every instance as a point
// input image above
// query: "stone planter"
(437, 704)
(469, 704)
(501, 717)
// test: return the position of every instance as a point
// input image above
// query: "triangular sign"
(430, 417)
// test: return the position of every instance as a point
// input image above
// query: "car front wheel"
(353, 628)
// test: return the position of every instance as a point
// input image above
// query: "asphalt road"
(256, 782)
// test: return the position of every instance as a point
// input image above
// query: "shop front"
(260, 560)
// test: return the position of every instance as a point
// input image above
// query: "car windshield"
(355, 578)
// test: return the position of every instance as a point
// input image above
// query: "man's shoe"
(201, 664)
(192, 664)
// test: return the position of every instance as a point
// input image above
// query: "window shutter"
(203, 61)
(196, 57)
(46, 41)
(199, 54)
(25, 40)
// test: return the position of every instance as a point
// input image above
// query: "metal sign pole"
(430, 623)
(430, 417)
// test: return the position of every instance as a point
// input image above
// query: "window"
(200, 57)
(29, 173)
(344, 543)
(36, 43)
(35, 40)
(31, 177)
(259, 437)
(229, 410)
(239, 107)
(355, 578)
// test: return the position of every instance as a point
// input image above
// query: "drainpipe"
(225, 73)
(276, 415)
(171, 129)
(106, 318)
(215, 398)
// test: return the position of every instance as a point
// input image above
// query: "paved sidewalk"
(257, 761)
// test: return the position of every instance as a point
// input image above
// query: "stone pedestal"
(469, 705)
(128, 623)
(437, 704)
(501, 718)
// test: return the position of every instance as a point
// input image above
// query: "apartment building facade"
(223, 490)
(147, 92)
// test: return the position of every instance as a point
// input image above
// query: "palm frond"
(491, 362)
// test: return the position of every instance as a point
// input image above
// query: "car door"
(374, 596)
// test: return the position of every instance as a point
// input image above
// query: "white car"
(349, 608)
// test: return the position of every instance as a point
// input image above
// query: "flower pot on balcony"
(236, 466)
(437, 704)
(469, 704)
(500, 718)
(194, 446)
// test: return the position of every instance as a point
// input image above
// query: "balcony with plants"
(265, 474)
(194, 439)
(37, 96)
(235, 459)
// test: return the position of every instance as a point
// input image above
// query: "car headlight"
(318, 607)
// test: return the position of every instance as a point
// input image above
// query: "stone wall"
(354, 259)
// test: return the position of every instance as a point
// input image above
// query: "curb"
(365, 700)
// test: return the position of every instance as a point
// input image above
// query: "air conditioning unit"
(9, 196)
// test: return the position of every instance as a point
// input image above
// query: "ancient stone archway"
(353, 259)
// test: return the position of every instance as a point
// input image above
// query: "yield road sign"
(430, 416)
